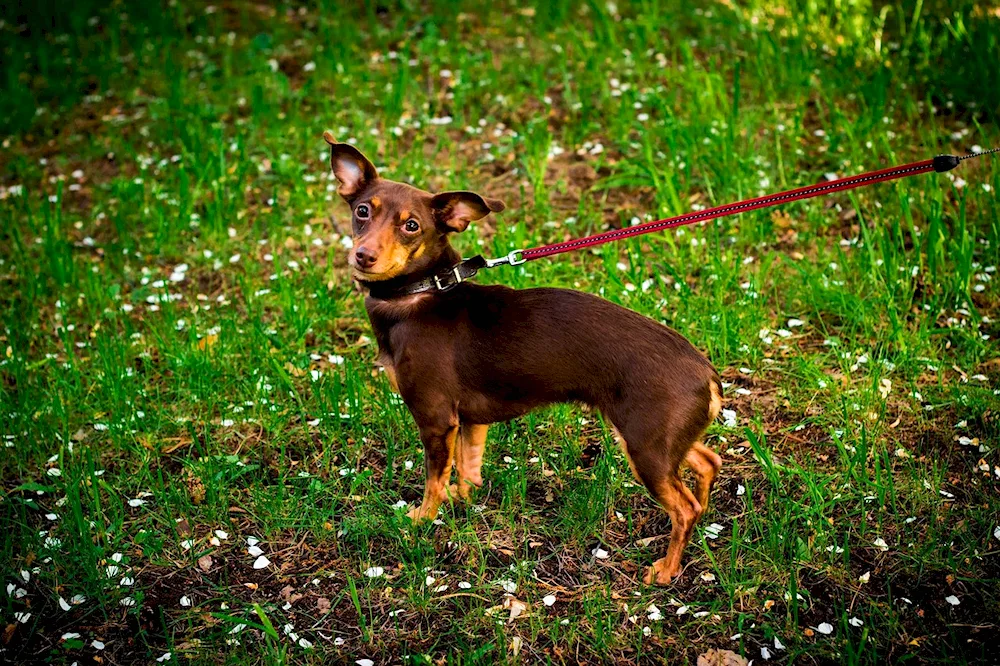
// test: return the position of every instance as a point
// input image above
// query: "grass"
(186, 360)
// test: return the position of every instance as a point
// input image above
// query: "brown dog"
(472, 355)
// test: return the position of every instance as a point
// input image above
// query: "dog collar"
(439, 282)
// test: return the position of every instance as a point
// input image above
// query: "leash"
(470, 267)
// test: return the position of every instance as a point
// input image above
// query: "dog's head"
(398, 230)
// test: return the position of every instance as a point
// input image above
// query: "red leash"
(941, 163)
(469, 267)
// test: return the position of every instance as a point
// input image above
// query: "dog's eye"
(362, 211)
(412, 226)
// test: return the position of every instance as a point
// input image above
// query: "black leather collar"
(439, 282)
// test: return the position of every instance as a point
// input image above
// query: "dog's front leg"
(439, 451)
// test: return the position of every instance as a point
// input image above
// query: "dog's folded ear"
(350, 166)
(455, 210)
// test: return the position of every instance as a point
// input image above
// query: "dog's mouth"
(374, 276)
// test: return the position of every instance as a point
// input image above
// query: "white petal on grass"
(952, 599)
(825, 628)
(881, 544)
(682, 610)
(127, 602)
(252, 541)
(303, 643)
(221, 534)
(465, 585)
(136, 502)
(62, 604)
(600, 553)
(127, 581)
(97, 645)
(865, 577)
(374, 572)
(855, 622)
(185, 601)
(365, 662)
(254, 551)
(654, 613)
(187, 544)
(70, 635)
(77, 599)
(549, 599)
(777, 644)
(22, 617)
(509, 586)
(166, 656)
(996, 532)
(261, 562)
(765, 653)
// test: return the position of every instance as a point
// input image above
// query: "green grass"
(183, 351)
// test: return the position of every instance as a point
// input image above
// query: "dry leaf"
(205, 562)
(721, 658)
(179, 442)
(323, 605)
(515, 645)
(516, 607)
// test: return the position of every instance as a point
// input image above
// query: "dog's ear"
(350, 166)
(454, 210)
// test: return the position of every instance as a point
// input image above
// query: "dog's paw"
(419, 515)
(462, 490)
(659, 574)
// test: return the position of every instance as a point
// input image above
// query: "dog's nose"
(364, 257)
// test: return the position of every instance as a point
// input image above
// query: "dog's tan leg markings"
(684, 511)
(390, 374)
(624, 445)
(469, 458)
(715, 401)
(705, 465)
(439, 451)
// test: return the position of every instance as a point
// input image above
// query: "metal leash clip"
(514, 258)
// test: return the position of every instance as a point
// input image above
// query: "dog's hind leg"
(469, 458)
(705, 465)
(656, 461)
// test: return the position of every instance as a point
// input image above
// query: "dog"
(471, 355)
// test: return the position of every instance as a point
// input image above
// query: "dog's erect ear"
(350, 166)
(454, 210)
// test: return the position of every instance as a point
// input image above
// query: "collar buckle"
(445, 283)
